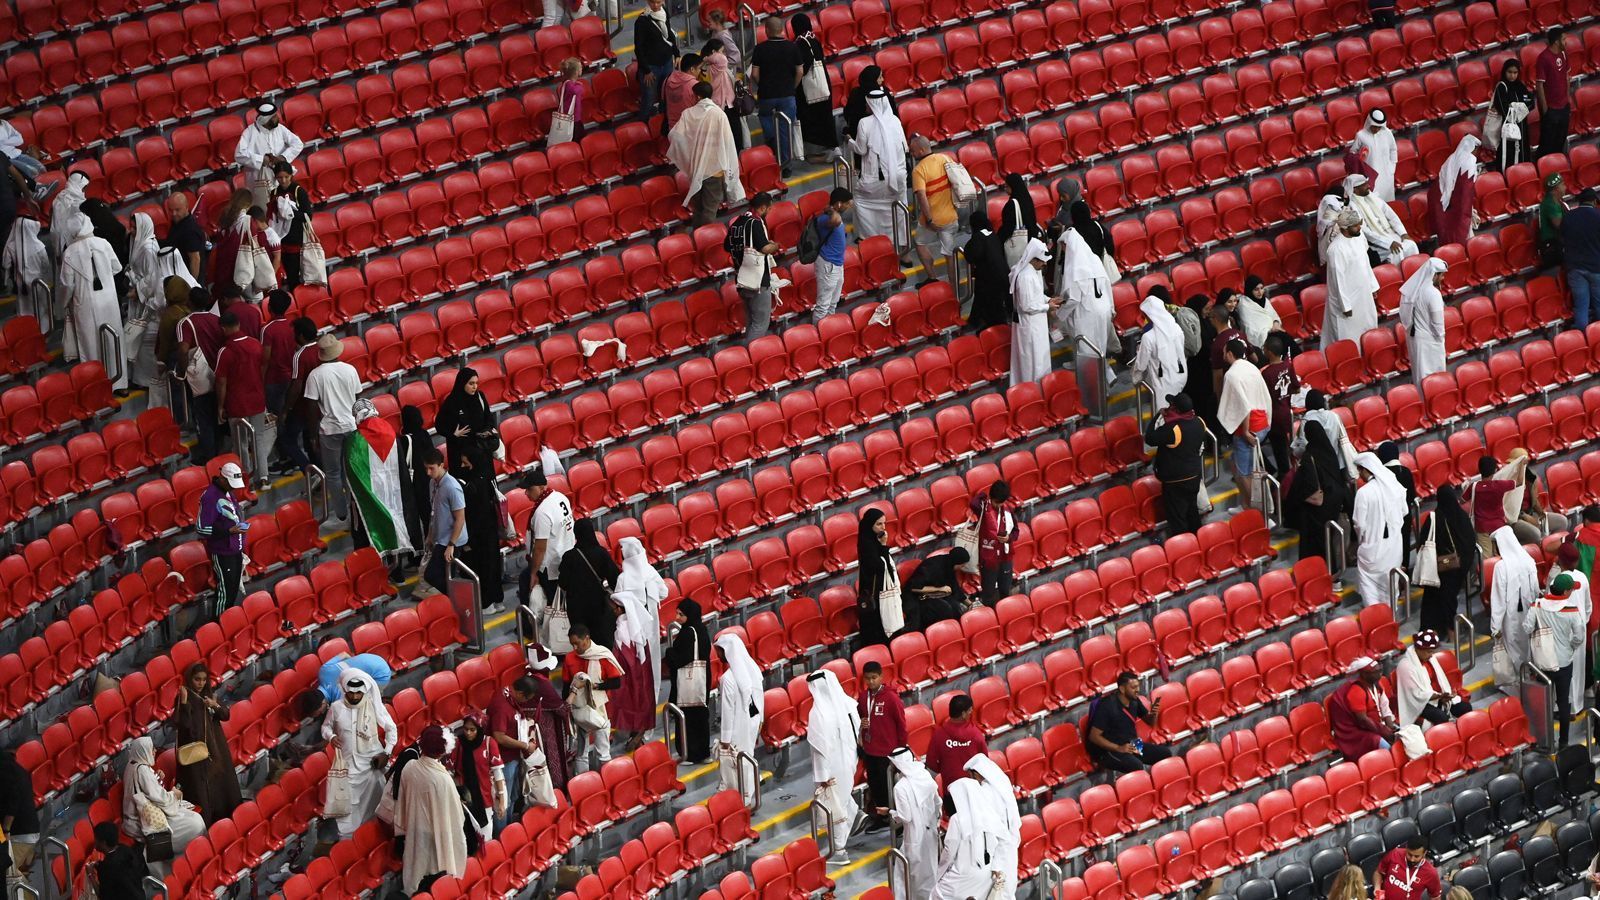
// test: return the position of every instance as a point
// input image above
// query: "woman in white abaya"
(1512, 590)
(739, 704)
(1422, 312)
(645, 583)
(1379, 515)
(1087, 309)
(917, 810)
(88, 282)
(972, 845)
(880, 141)
(1160, 361)
(1030, 329)
(833, 730)
(142, 785)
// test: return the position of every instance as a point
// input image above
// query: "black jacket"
(1180, 447)
(650, 45)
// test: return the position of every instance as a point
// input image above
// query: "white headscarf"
(1353, 181)
(364, 717)
(975, 826)
(1394, 494)
(1418, 286)
(1078, 261)
(835, 718)
(1516, 572)
(142, 251)
(1461, 162)
(1000, 789)
(637, 574)
(1162, 324)
(1036, 249)
(883, 140)
(632, 624)
(746, 675)
(24, 258)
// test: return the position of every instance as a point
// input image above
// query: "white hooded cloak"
(638, 577)
(1352, 288)
(1381, 152)
(1030, 334)
(364, 731)
(1380, 512)
(917, 810)
(1002, 797)
(1160, 361)
(1328, 209)
(972, 853)
(1512, 590)
(24, 259)
(88, 284)
(880, 141)
(1422, 312)
(141, 781)
(430, 815)
(1415, 683)
(701, 146)
(833, 729)
(1088, 310)
(740, 700)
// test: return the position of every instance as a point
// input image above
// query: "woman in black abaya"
(1319, 494)
(855, 105)
(587, 577)
(414, 439)
(875, 578)
(1454, 534)
(474, 468)
(692, 644)
(991, 282)
(465, 421)
(817, 128)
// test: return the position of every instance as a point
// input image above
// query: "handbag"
(193, 752)
(890, 610)
(585, 715)
(967, 539)
(132, 336)
(1016, 242)
(198, 373)
(1505, 673)
(158, 846)
(561, 122)
(555, 625)
(336, 804)
(313, 259)
(1425, 569)
(1260, 495)
(244, 263)
(691, 679)
(537, 787)
(814, 83)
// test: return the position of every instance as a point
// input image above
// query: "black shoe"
(877, 823)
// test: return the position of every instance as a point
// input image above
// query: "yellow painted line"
(859, 863)
(782, 817)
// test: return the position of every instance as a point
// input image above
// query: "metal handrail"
(1328, 532)
(1216, 453)
(817, 806)
(111, 348)
(24, 886)
(747, 36)
(244, 442)
(1399, 591)
(955, 265)
(160, 886)
(311, 495)
(65, 856)
(784, 139)
(1099, 410)
(1472, 641)
(475, 635)
(899, 861)
(608, 20)
(899, 213)
(44, 307)
(1139, 390)
(674, 714)
(1549, 710)
(841, 165)
(755, 771)
(1051, 875)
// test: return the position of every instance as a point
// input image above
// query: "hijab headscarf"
(867, 544)
(632, 624)
(1419, 286)
(142, 252)
(1461, 162)
(1456, 520)
(107, 227)
(462, 408)
(1035, 250)
(1017, 188)
(1084, 224)
(978, 223)
(800, 24)
(1323, 459)
(884, 139)
(855, 106)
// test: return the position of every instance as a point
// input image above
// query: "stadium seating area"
(1204, 133)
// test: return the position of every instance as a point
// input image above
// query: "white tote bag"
(585, 715)
(537, 787)
(691, 679)
(890, 609)
(244, 262)
(336, 804)
(1542, 650)
(555, 625)
(1017, 241)
(313, 259)
(967, 539)
(561, 121)
(1425, 570)
(266, 272)
(814, 83)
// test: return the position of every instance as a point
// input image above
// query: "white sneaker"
(839, 859)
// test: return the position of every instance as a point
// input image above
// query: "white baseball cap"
(232, 474)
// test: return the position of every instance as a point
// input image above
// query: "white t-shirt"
(334, 387)
(552, 522)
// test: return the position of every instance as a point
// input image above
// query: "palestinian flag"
(373, 470)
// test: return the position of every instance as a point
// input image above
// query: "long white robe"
(1160, 362)
(1088, 310)
(24, 259)
(740, 700)
(1512, 590)
(364, 731)
(1030, 334)
(701, 146)
(88, 282)
(1002, 797)
(1415, 683)
(833, 729)
(646, 583)
(917, 810)
(1422, 312)
(141, 782)
(971, 853)
(1380, 511)
(1383, 155)
(1352, 291)
(1382, 227)
(1328, 209)
(430, 815)
(64, 212)
(255, 144)
(880, 141)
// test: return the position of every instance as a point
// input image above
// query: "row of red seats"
(55, 403)
(796, 872)
(328, 53)
(1248, 832)
(1573, 485)
(21, 346)
(663, 854)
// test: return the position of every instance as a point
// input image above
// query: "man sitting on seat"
(1114, 743)
(1422, 689)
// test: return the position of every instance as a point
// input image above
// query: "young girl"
(569, 96)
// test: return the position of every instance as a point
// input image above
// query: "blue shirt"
(447, 498)
(332, 671)
(1580, 238)
(832, 239)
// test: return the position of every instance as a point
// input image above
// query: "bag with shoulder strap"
(691, 679)
(1425, 570)
(561, 121)
(811, 241)
(962, 188)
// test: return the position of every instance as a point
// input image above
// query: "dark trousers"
(1383, 16)
(291, 268)
(1117, 761)
(1182, 500)
(737, 121)
(437, 573)
(996, 582)
(1280, 454)
(203, 413)
(1437, 714)
(292, 440)
(1553, 132)
(229, 569)
(1561, 683)
(877, 782)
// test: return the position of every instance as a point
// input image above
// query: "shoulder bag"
(1425, 570)
(1449, 562)
(193, 752)
(561, 121)
(890, 610)
(691, 678)
(313, 259)
(537, 787)
(814, 83)
(1017, 241)
(555, 625)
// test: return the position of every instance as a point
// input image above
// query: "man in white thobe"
(880, 141)
(1352, 288)
(1380, 224)
(429, 814)
(970, 862)
(1513, 588)
(1160, 362)
(24, 259)
(1422, 312)
(88, 283)
(740, 706)
(701, 146)
(1030, 333)
(1379, 516)
(360, 729)
(1422, 689)
(833, 730)
(1376, 146)
(1087, 310)
(917, 810)
(263, 144)
(1328, 209)
(998, 788)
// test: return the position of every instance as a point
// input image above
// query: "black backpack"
(738, 234)
(811, 241)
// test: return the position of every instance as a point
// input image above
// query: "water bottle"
(1138, 745)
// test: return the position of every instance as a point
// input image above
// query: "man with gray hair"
(937, 219)
(1352, 288)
